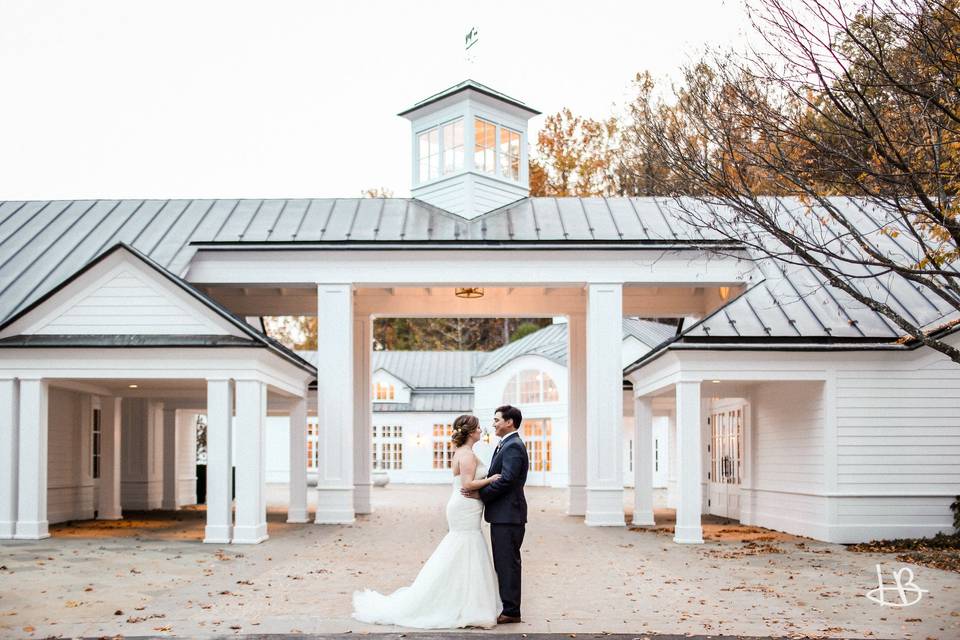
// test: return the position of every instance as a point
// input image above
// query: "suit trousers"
(506, 540)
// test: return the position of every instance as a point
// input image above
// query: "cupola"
(469, 149)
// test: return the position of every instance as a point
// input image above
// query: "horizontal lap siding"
(788, 444)
(126, 305)
(899, 432)
(69, 479)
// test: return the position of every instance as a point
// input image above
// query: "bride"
(457, 586)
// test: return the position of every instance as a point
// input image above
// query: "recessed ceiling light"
(716, 382)
(133, 386)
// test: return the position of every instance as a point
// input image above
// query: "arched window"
(384, 391)
(530, 387)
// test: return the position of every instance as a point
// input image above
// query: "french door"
(725, 450)
(536, 434)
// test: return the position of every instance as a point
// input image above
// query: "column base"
(605, 508)
(576, 500)
(37, 530)
(7, 530)
(688, 535)
(361, 499)
(110, 516)
(217, 534)
(168, 506)
(250, 534)
(335, 506)
(643, 518)
(297, 516)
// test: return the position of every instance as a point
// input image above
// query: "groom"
(506, 508)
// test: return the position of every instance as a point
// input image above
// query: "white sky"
(290, 98)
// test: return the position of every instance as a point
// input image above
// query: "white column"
(297, 510)
(689, 491)
(9, 454)
(577, 412)
(643, 461)
(32, 477)
(362, 408)
(108, 506)
(219, 501)
(170, 470)
(186, 457)
(335, 404)
(604, 405)
(251, 524)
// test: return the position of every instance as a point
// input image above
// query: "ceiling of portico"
(642, 301)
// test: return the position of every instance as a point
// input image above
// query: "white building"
(416, 396)
(794, 407)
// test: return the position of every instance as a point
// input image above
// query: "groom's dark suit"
(505, 508)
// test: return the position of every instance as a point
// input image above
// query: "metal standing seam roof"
(551, 343)
(470, 85)
(42, 243)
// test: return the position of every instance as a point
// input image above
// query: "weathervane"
(472, 37)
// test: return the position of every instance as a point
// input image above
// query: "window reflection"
(484, 158)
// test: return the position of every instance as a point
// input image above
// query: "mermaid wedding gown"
(456, 587)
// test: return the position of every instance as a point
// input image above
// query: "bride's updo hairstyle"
(463, 426)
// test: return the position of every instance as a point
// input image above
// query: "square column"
(643, 461)
(251, 524)
(170, 470)
(604, 405)
(362, 409)
(9, 455)
(297, 510)
(689, 490)
(577, 408)
(108, 506)
(335, 410)
(219, 499)
(32, 477)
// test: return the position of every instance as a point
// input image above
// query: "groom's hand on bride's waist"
(470, 494)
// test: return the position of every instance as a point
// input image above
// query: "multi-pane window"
(537, 436)
(630, 455)
(530, 387)
(440, 150)
(453, 146)
(484, 146)
(726, 429)
(509, 154)
(384, 391)
(313, 440)
(387, 447)
(428, 144)
(442, 446)
(656, 455)
(96, 449)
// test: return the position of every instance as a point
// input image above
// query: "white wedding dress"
(457, 586)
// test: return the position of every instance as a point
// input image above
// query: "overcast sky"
(284, 98)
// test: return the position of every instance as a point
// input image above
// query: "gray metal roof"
(429, 403)
(551, 343)
(44, 242)
(429, 369)
(470, 85)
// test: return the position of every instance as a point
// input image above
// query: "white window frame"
(497, 168)
(387, 447)
(441, 164)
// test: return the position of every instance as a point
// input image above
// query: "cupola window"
(485, 141)
(441, 150)
(509, 154)
(488, 158)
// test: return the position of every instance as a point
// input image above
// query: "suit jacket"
(503, 500)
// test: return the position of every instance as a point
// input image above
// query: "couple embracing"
(458, 585)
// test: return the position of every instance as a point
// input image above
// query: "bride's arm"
(468, 468)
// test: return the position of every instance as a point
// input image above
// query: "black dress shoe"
(505, 619)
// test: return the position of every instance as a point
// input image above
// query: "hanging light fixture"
(469, 292)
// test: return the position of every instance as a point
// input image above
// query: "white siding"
(898, 446)
(69, 462)
(127, 303)
(788, 436)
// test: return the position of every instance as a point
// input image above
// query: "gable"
(120, 295)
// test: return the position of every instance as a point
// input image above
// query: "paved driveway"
(157, 579)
